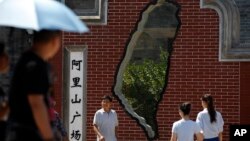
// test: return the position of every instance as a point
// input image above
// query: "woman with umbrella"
(28, 97)
(30, 83)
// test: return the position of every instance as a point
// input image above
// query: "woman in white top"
(185, 129)
(210, 120)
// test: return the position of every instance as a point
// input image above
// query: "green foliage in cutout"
(142, 84)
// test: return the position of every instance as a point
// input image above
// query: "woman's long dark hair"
(210, 106)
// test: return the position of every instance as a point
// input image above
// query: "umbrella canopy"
(38, 15)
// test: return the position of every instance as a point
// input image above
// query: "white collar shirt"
(185, 129)
(106, 122)
(210, 130)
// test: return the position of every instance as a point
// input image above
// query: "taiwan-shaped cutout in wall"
(142, 75)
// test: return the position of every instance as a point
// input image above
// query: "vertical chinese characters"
(76, 96)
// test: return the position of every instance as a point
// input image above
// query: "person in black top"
(4, 108)
(28, 97)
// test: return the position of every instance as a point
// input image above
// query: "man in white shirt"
(105, 121)
(185, 129)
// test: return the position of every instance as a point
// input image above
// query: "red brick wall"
(57, 65)
(194, 69)
(244, 93)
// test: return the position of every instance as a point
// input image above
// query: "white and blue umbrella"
(40, 14)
